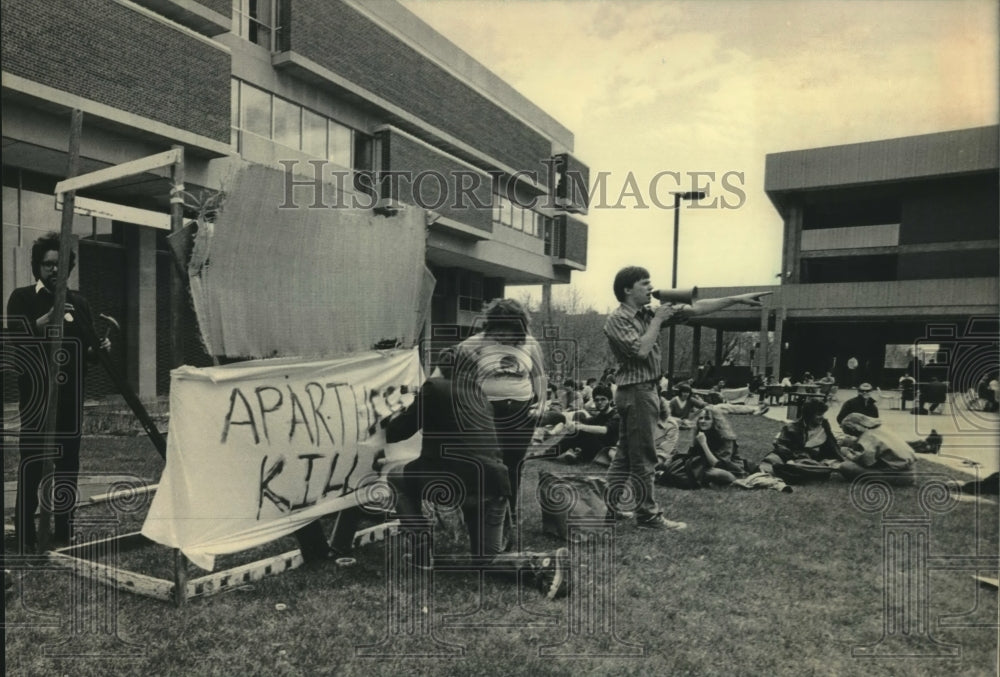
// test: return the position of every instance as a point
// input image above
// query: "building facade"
(362, 99)
(891, 254)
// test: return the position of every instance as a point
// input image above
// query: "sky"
(652, 86)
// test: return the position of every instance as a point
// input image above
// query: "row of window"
(259, 112)
(508, 213)
(256, 111)
(258, 21)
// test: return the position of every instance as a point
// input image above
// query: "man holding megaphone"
(633, 331)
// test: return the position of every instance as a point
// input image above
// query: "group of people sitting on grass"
(805, 449)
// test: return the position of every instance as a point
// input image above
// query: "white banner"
(259, 449)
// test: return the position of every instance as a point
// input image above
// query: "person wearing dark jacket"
(863, 403)
(459, 445)
(590, 433)
(807, 438)
(28, 312)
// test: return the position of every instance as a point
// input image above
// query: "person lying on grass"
(712, 458)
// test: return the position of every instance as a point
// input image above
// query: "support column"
(762, 343)
(695, 348)
(140, 319)
(719, 337)
(779, 338)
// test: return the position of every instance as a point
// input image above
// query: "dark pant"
(29, 478)
(484, 516)
(589, 445)
(639, 409)
(515, 426)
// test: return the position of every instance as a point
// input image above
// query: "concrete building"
(890, 247)
(346, 91)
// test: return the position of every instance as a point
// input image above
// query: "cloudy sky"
(713, 86)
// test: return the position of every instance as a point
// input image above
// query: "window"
(287, 123)
(257, 21)
(255, 111)
(28, 214)
(314, 133)
(270, 117)
(512, 215)
(340, 144)
(234, 115)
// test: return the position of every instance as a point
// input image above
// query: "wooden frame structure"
(181, 588)
(344, 536)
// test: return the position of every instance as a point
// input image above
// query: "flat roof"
(961, 151)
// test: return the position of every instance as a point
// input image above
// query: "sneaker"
(618, 515)
(569, 457)
(552, 574)
(660, 522)
(761, 410)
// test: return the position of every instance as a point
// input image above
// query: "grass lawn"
(761, 583)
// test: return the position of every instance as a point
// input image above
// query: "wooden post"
(180, 578)
(176, 283)
(55, 327)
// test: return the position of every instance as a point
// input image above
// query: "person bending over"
(875, 449)
(458, 447)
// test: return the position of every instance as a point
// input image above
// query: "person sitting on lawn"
(862, 403)
(587, 434)
(712, 458)
(808, 438)
(876, 450)
(684, 404)
(668, 432)
(552, 421)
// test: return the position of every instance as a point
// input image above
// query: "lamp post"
(692, 195)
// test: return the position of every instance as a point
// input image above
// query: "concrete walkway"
(971, 438)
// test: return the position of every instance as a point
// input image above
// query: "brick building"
(346, 91)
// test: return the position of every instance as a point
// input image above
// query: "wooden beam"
(115, 577)
(177, 290)
(130, 492)
(221, 581)
(109, 210)
(121, 171)
(55, 327)
(125, 543)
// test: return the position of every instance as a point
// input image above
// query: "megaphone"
(676, 295)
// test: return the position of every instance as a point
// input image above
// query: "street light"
(692, 195)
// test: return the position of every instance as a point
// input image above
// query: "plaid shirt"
(623, 328)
